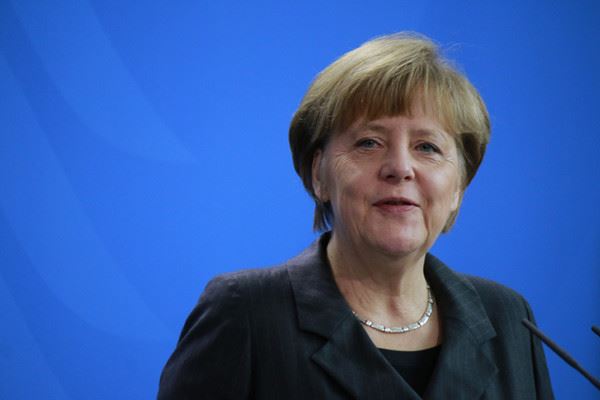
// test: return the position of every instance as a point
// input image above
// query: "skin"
(392, 183)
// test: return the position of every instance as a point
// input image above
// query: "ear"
(457, 199)
(318, 183)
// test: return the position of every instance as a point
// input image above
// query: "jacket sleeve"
(540, 368)
(212, 358)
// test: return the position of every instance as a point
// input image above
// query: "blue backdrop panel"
(143, 150)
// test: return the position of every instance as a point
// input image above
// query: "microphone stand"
(562, 353)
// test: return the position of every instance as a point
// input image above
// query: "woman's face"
(392, 183)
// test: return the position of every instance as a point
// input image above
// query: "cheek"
(342, 177)
(450, 192)
(347, 188)
(444, 191)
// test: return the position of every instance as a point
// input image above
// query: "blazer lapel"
(348, 356)
(465, 367)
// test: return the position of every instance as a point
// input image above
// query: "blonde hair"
(387, 76)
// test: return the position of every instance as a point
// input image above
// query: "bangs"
(422, 88)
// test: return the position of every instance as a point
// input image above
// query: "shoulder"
(300, 273)
(505, 307)
(477, 297)
(247, 283)
(252, 295)
(468, 289)
(495, 295)
(222, 330)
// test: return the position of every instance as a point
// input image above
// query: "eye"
(427, 147)
(367, 143)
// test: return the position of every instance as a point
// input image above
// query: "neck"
(379, 286)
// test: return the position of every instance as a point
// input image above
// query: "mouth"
(396, 201)
(396, 205)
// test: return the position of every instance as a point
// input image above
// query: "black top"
(416, 367)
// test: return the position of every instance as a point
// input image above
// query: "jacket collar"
(350, 357)
(465, 365)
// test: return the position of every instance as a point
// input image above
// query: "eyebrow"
(434, 133)
(423, 132)
(374, 126)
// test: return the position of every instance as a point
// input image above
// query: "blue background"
(143, 149)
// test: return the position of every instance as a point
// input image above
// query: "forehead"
(413, 123)
(423, 108)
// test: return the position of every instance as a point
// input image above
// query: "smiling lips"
(396, 205)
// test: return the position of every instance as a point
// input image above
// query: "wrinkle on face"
(350, 178)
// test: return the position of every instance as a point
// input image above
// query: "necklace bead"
(405, 328)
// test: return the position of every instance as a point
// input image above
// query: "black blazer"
(287, 333)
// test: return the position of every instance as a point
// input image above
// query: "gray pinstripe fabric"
(287, 333)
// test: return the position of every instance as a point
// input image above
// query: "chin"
(399, 246)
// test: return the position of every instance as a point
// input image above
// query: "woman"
(386, 140)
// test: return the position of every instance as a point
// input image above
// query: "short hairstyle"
(388, 76)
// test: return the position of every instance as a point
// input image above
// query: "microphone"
(562, 353)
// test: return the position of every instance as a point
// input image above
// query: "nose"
(397, 166)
